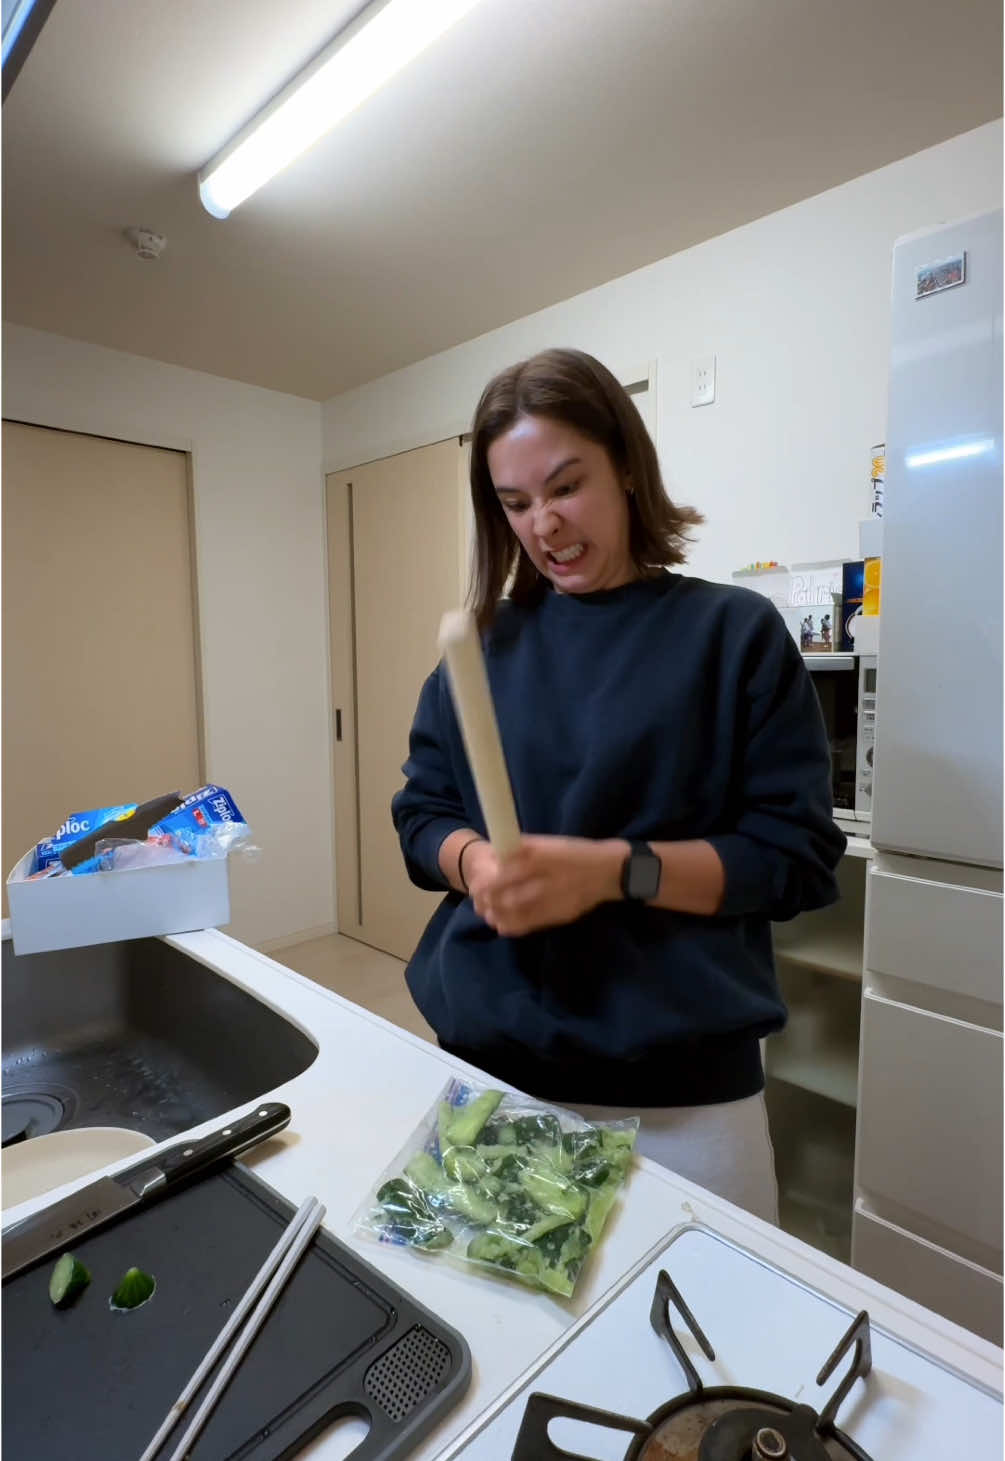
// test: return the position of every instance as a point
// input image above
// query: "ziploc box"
(48, 850)
(69, 912)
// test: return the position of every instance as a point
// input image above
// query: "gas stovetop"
(712, 1354)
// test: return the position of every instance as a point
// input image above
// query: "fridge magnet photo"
(942, 274)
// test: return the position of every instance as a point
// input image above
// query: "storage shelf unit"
(836, 951)
(834, 1074)
(830, 939)
(812, 1065)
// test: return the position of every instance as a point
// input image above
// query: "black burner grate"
(715, 1424)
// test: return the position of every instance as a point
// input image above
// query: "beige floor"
(366, 976)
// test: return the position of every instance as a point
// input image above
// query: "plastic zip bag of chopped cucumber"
(502, 1182)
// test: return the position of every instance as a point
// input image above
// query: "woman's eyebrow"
(555, 471)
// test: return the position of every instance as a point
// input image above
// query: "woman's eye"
(515, 507)
(566, 489)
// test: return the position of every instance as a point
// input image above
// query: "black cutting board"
(91, 1384)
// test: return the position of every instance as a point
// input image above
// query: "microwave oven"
(846, 690)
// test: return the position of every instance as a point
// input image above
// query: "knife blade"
(61, 1223)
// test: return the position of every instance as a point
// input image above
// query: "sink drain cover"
(30, 1113)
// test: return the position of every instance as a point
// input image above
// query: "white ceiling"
(538, 149)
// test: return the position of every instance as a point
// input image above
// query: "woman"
(672, 777)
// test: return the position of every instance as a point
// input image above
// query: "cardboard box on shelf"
(68, 912)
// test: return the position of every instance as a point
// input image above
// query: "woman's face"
(566, 503)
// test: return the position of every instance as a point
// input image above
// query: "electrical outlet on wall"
(703, 380)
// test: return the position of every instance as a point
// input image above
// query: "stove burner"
(761, 1436)
(718, 1424)
(770, 1445)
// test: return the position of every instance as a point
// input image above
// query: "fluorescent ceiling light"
(951, 453)
(383, 39)
(15, 13)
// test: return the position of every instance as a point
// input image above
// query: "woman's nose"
(546, 520)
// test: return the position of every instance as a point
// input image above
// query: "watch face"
(644, 870)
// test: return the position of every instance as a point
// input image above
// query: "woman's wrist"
(611, 854)
(471, 842)
(449, 855)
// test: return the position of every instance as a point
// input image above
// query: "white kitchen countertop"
(358, 1104)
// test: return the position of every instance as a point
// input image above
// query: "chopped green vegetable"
(601, 1202)
(499, 1133)
(505, 1253)
(427, 1174)
(69, 1279)
(468, 1202)
(135, 1289)
(464, 1164)
(501, 1162)
(546, 1224)
(540, 1127)
(551, 1262)
(563, 1251)
(410, 1217)
(533, 1199)
(464, 1123)
(617, 1147)
(551, 1190)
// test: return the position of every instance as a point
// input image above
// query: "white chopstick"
(284, 1257)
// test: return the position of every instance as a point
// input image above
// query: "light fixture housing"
(374, 47)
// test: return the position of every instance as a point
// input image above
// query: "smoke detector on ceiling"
(148, 245)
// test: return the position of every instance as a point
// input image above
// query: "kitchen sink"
(134, 1034)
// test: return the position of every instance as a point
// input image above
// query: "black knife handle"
(187, 1158)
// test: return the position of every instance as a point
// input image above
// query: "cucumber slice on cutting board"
(69, 1278)
(135, 1288)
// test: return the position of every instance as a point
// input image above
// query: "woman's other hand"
(548, 881)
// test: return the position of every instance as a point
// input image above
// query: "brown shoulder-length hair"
(574, 388)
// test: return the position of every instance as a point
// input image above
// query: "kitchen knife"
(64, 1222)
(469, 683)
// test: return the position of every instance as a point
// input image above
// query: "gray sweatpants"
(725, 1148)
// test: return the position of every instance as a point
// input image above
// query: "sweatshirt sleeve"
(429, 806)
(780, 855)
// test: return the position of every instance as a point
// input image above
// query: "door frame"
(337, 494)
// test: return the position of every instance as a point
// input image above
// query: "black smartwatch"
(640, 873)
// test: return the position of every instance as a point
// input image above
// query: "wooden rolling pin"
(469, 683)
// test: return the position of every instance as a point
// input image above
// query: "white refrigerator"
(928, 1178)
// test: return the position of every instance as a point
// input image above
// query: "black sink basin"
(134, 1034)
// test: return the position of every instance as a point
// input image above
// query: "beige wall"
(256, 459)
(795, 306)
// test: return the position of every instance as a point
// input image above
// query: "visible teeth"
(568, 554)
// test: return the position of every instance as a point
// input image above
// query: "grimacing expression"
(566, 502)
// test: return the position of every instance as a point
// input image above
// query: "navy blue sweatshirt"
(668, 709)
